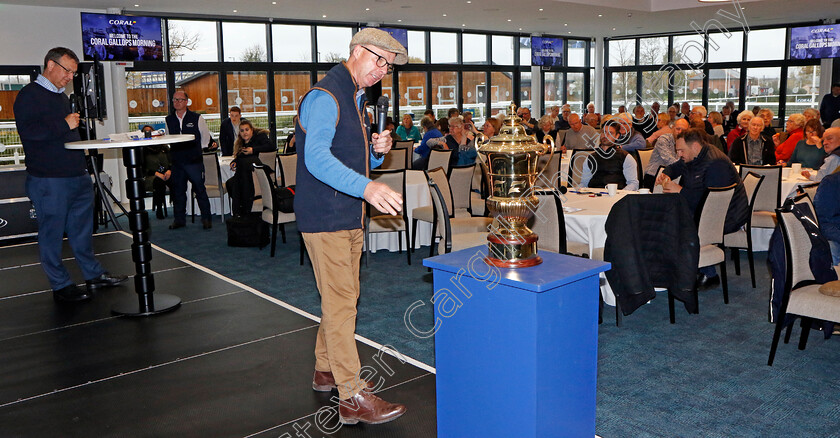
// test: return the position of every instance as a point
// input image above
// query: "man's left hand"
(671, 187)
(382, 142)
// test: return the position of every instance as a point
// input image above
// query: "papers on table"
(571, 209)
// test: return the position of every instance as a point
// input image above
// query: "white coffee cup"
(612, 189)
(644, 191)
(795, 169)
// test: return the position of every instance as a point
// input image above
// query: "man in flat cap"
(334, 157)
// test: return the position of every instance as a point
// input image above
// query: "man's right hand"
(662, 179)
(383, 198)
(72, 120)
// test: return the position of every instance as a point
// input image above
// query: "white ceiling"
(569, 17)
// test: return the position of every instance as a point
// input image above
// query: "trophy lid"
(512, 136)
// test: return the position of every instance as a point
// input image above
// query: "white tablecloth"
(416, 195)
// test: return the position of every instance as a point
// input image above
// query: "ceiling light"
(367, 9)
(399, 21)
(600, 15)
(323, 16)
(234, 10)
(613, 28)
(570, 32)
(444, 15)
(463, 25)
(469, 1)
(509, 19)
(136, 6)
(541, 9)
(273, 3)
(565, 24)
(520, 28)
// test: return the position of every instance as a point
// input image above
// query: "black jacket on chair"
(662, 250)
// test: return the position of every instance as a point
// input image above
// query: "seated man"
(563, 122)
(702, 166)
(664, 153)
(580, 136)
(629, 139)
(528, 122)
(827, 204)
(612, 164)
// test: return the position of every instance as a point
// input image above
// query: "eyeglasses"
(178, 99)
(381, 61)
(75, 74)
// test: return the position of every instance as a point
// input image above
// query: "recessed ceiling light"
(367, 9)
(234, 10)
(444, 15)
(565, 24)
(570, 32)
(273, 3)
(541, 9)
(136, 6)
(509, 19)
(613, 28)
(520, 28)
(399, 21)
(469, 1)
(323, 16)
(600, 15)
(463, 25)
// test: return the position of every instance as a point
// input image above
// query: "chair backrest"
(752, 182)
(439, 158)
(769, 194)
(407, 144)
(394, 159)
(212, 172)
(438, 176)
(810, 189)
(551, 172)
(549, 222)
(561, 136)
(643, 156)
(576, 165)
(270, 159)
(805, 199)
(261, 172)
(460, 183)
(442, 214)
(797, 249)
(713, 214)
(394, 179)
(288, 169)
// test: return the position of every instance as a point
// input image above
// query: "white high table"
(141, 250)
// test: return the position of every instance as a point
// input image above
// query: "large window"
(444, 48)
(552, 89)
(503, 50)
(574, 91)
(766, 45)
(416, 47)
(11, 151)
(724, 85)
(689, 49)
(474, 94)
(501, 91)
(653, 51)
(333, 43)
(475, 48)
(291, 43)
(412, 94)
(763, 88)
(723, 49)
(192, 41)
(148, 103)
(577, 53)
(289, 87)
(202, 87)
(249, 91)
(622, 52)
(444, 92)
(803, 88)
(654, 87)
(624, 90)
(244, 42)
(524, 51)
(525, 89)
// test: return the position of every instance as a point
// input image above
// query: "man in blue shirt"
(334, 157)
(57, 180)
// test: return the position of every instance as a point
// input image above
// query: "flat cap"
(379, 38)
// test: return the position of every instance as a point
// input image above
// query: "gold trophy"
(509, 160)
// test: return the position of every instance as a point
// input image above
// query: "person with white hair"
(563, 122)
(795, 129)
(697, 115)
(545, 127)
(743, 126)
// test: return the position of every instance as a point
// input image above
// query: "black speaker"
(89, 89)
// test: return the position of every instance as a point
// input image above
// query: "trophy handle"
(550, 146)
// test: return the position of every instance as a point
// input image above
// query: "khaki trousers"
(335, 259)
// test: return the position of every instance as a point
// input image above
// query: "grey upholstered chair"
(742, 239)
(378, 222)
(710, 231)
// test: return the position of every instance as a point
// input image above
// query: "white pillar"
(598, 64)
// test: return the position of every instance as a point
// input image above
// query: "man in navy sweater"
(827, 204)
(58, 183)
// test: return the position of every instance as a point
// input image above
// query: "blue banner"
(546, 51)
(814, 42)
(121, 38)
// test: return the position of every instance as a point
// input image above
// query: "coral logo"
(3, 222)
(123, 22)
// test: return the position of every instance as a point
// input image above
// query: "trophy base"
(512, 253)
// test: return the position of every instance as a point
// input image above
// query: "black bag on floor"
(286, 199)
(247, 231)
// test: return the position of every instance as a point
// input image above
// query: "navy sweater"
(39, 116)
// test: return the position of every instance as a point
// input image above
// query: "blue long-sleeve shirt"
(320, 115)
(827, 204)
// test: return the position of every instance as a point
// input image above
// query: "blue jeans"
(835, 252)
(194, 173)
(64, 206)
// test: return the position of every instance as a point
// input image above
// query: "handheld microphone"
(73, 104)
(381, 115)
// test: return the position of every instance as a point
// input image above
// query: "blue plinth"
(516, 350)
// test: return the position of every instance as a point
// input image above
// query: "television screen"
(546, 51)
(814, 42)
(121, 38)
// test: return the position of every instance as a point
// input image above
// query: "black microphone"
(73, 104)
(381, 115)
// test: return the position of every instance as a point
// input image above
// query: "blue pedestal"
(516, 351)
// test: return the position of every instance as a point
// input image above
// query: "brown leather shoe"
(323, 381)
(368, 408)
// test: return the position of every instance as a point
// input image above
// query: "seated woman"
(407, 130)
(663, 125)
(460, 140)
(831, 145)
(794, 129)
(246, 149)
(491, 127)
(421, 153)
(290, 140)
(808, 151)
(545, 127)
(157, 173)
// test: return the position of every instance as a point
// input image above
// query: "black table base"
(146, 303)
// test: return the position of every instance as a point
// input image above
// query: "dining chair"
(404, 144)
(440, 158)
(577, 164)
(458, 225)
(394, 159)
(270, 212)
(460, 182)
(287, 169)
(742, 239)
(710, 231)
(212, 183)
(378, 222)
(811, 191)
(270, 160)
(801, 296)
(642, 157)
(769, 196)
(549, 222)
(551, 172)
(453, 238)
